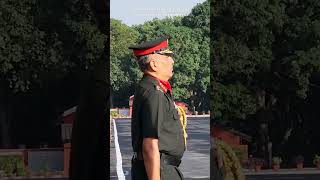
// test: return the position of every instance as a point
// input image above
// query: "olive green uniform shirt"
(154, 115)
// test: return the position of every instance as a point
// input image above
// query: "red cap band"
(141, 52)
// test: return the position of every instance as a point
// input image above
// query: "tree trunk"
(89, 158)
(88, 151)
(4, 128)
(4, 119)
(264, 117)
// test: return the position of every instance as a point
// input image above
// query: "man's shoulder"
(149, 89)
(149, 83)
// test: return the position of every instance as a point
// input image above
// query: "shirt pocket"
(172, 112)
(176, 115)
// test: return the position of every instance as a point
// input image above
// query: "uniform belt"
(166, 158)
(169, 159)
(138, 156)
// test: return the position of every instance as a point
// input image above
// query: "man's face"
(165, 65)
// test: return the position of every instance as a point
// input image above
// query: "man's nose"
(172, 60)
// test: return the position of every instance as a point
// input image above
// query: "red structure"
(130, 104)
(66, 131)
(239, 141)
(69, 115)
(230, 135)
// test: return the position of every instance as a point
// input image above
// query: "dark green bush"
(12, 165)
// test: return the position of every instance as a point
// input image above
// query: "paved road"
(285, 174)
(35, 178)
(195, 163)
(284, 177)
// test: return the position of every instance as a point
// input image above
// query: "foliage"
(24, 49)
(316, 159)
(181, 42)
(241, 153)
(37, 44)
(43, 43)
(258, 46)
(190, 43)
(113, 114)
(242, 55)
(276, 160)
(266, 58)
(12, 164)
(121, 37)
(231, 162)
(198, 18)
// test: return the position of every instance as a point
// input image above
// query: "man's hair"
(143, 62)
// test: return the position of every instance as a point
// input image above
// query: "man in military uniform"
(157, 134)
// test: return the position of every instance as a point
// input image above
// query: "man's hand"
(151, 158)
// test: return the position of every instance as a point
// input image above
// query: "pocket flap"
(176, 115)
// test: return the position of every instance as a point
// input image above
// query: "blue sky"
(133, 12)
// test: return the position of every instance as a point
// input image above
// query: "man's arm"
(151, 158)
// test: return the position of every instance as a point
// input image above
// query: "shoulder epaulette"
(159, 88)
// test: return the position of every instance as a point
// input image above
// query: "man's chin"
(171, 76)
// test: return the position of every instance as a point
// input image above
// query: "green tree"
(123, 69)
(199, 17)
(42, 41)
(87, 159)
(265, 54)
(24, 55)
(186, 43)
(190, 43)
(243, 38)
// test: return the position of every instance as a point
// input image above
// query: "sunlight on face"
(165, 66)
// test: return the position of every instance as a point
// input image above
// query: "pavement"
(195, 162)
(113, 161)
(35, 178)
(288, 174)
(284, 177)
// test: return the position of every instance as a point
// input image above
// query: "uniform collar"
(164, 85)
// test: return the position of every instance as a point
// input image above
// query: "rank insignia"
(159, 88)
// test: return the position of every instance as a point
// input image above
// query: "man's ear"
(153, 65)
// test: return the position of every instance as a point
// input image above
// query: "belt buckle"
(135, 155)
